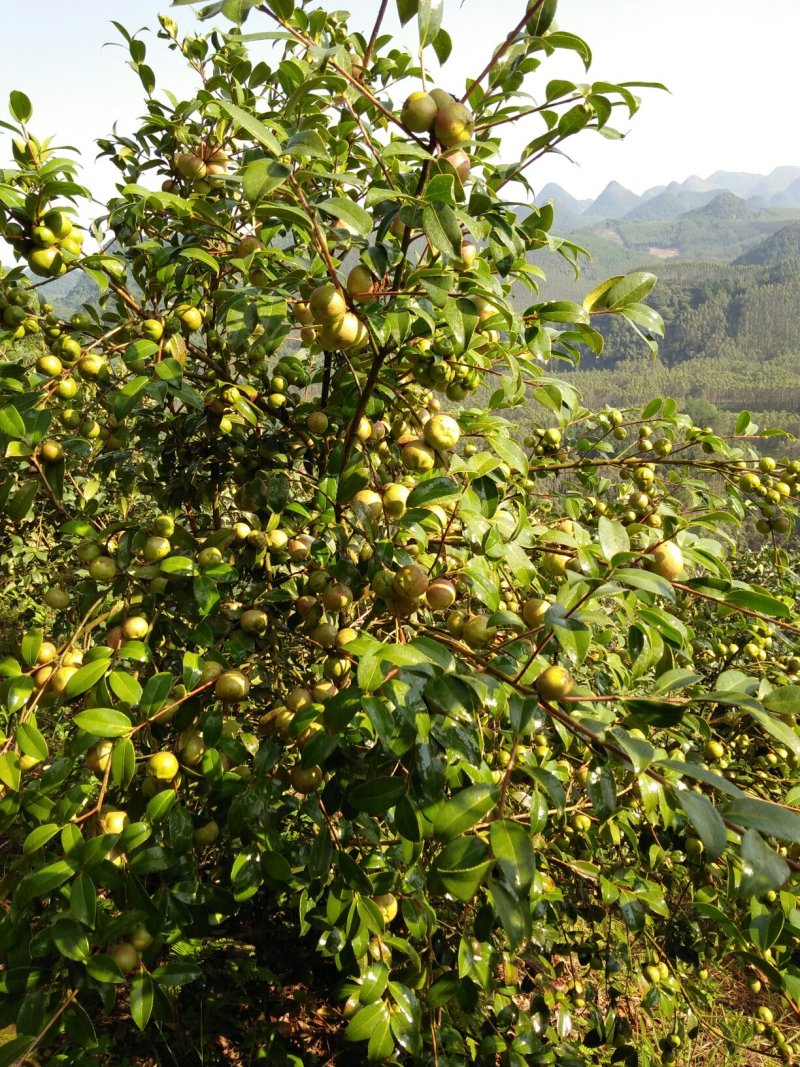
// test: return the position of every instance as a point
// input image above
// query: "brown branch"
(373, 37)
(501, 51)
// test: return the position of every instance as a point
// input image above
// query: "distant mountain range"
(778, 190)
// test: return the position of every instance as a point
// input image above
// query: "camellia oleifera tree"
(334, 607)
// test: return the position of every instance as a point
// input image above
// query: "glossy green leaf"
(462, 811)
(513, 850)
(85, 677)
(141, 998)
(103, 722)
(377, 795)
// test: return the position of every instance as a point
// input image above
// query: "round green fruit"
(440, 594)
(387, 905)
(327, 303)
(441, 432)
(51, 451)
(56, 597)
(305, 779)
(418, 456)
(418, 112)
(666, 560)
(135, 627)
(554, 683)
(155, 549)
(103, 569)
(254, 621)
(453, 125)
(124, 955)
(163, 766)
(47, 262)
(477, 633)
(206, 834)
(231, 687)
(58, 222)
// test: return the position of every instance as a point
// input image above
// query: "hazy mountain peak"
(724, 206)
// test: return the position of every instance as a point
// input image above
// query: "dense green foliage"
(311, 653)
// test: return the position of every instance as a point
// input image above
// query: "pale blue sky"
(733, 76)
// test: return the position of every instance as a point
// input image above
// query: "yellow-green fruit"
(209, 557)
(254, 621)
(163, 766)
(135, 628)
(305, 779)
(99, 756)
(156, 548)
(191, 318)
(124, 955)
(164, 525)
(666, 560)
(231, 687)
(468, 256)
(418, 112)
(51, 451)
(554, 563)
(369, 499)
(418, 456)
(47, 652)
(141, 938)
(534, 611)
(460, 162)
(477, 633)
(248, 245)
(440, 594)
(103, 569)
(341, 333)
(190, 166)
(207, 834)
(441, 98)
(453, 125)
(51, 366)
(387, 905)
(47, 262)
(43, 236)
(554, 683)
(56, 597)
(360, 282)
(394, 499)
(58, 222)
(317, 422)
(327, 303)
(441, 432)
(113, 822)
(153, 328)
(192, 752)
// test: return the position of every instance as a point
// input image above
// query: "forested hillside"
(732, 341)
